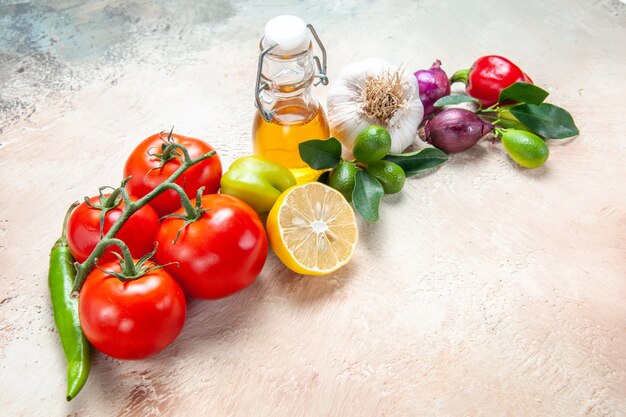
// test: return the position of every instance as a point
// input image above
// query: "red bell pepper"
(488, 76)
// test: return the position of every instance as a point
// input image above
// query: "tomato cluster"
(217, 254)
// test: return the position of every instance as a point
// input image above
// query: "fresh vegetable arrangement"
(507, 106)
(130, 256)
(119, 275)
(128, 306)
(372, 173)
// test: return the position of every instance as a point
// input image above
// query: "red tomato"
(220, 253)
(83, 230)
(133, 319)
(146, 174)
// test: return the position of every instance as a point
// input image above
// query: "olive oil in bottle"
(287, 111)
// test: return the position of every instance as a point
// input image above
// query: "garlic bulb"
(371, 92)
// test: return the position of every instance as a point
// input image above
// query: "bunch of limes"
(370, 147)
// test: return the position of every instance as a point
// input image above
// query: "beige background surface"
(485, 290)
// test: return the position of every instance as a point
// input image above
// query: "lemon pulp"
(312, 229)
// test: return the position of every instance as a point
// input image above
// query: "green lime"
(341, 179)
(525, 148)
(371, 144)
(391, 176)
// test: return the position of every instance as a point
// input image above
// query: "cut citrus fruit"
(305, 175)
(312, 229)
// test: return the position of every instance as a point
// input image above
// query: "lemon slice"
(312, 229)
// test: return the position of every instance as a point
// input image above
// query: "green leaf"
(454, 99)
(366, 196)
(321, 154)
(521, 92)
(323, 178)
(422, 160)
(546, 120)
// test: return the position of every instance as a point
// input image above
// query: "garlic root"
(375, 92)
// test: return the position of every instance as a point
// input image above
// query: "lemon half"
(312, 229)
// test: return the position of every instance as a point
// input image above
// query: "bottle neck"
(289, 76)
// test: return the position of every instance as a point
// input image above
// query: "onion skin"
(455, 130)
(433, 84)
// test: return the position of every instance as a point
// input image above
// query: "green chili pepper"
(76, 347)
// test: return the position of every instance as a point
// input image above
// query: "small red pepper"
(488, 77)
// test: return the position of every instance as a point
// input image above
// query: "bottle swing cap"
(289, 33)
(287, 36)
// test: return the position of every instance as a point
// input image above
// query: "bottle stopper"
(289, 33)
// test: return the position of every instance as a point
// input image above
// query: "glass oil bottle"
(287, 111)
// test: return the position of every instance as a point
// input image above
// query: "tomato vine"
(83, 269)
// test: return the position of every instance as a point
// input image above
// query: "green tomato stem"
(185, 202)
(128, 266)
(83, 269)
(169, 152)
(111, 201)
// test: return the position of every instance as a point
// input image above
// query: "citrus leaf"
(321, 154)
(366, 196)
(323, 178)
(454, 99)
(521, 92)
(422, 160)
(546, 120)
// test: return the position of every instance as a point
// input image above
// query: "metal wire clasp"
(266, 114)
(321, 76)
(321, 68)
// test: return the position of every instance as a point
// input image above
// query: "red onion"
(434, 84)
(455, 130)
